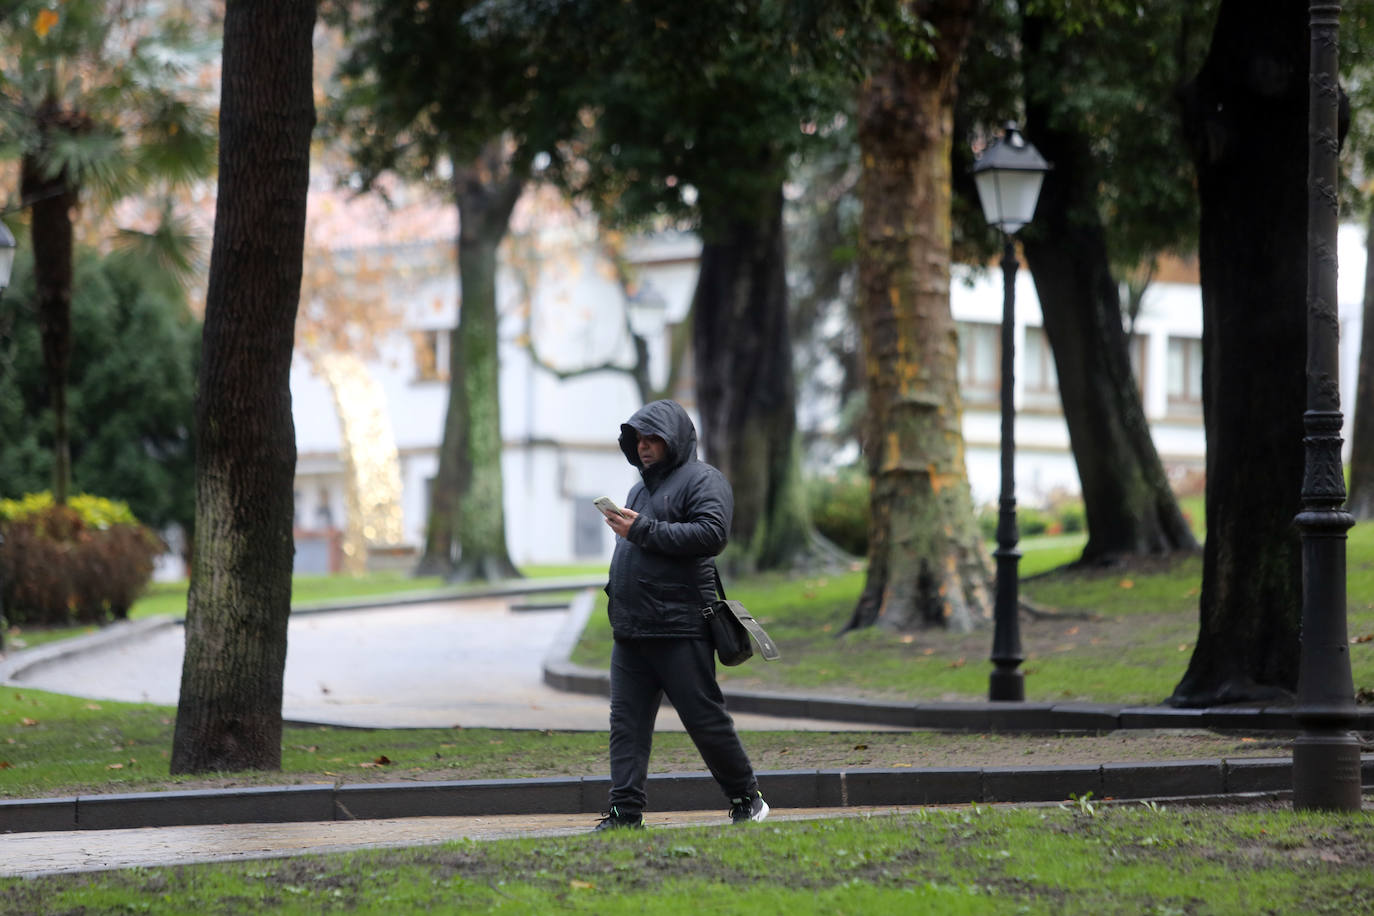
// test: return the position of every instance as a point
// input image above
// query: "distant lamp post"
(1326, 756)
(1008, 176)
(7, 248)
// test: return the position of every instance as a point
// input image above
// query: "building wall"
(560, 435)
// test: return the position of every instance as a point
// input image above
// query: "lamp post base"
(1009, 684)
(1326, 772)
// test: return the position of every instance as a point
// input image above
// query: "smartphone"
(607, 506)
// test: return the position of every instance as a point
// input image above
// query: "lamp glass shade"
(7, 248)
(1008, 196)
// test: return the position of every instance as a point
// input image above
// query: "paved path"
(474, 663)
(34, 854)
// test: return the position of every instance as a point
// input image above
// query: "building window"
(431, 355)
(1185, 375)
(1041, 388)
(1137, 346)
(980, 350)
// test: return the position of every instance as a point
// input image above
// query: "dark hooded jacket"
(663, 574)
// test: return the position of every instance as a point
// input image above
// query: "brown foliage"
(56, 569)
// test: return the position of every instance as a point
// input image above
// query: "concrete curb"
(1004, 718)
(1214, 780)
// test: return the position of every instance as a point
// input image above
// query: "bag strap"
(720, 586)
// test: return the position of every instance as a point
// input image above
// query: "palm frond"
(172, 248)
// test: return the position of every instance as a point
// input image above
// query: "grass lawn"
(1073, 859)
(1118, 637)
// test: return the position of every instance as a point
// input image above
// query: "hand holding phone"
(607, 506)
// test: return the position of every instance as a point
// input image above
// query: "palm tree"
(93, 108)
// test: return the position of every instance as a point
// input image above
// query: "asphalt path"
(473, 663)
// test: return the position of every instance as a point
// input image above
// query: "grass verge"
(1077, 858)
(1111, 636)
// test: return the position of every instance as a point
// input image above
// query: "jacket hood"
(669, 421)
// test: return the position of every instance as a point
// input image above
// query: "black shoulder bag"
(731, 625)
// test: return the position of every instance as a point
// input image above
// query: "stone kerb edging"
(1177, 780)
(561, 674)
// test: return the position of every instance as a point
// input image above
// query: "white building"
(560, 448)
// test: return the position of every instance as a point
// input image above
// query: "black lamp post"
(1008, 176)
(7, 247)
(1326, 757)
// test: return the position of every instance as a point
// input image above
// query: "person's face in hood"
(651, 449)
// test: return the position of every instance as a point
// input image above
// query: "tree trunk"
(229, 712)
(1130, 508)
(1246, 116)
(486, 192)
(745, 388)
(926, 561)
(1361, 500)
(52, 201)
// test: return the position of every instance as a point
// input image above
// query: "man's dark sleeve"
(706, 529)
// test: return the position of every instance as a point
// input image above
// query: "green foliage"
(96, 93)
(85, 562)
(839, 505)
(130, 391)
(93, 511)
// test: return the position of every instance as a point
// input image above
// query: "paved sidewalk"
(472, 662)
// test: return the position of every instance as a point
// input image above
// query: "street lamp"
(1008, 176)
(1326, 756)
(7, 248)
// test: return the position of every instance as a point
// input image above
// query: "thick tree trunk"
(469, 489)
(52, 201)
(926, 562)
(1361, 500)
(229, 712)
(1130, 508)
(1246, 115)
(745, 388)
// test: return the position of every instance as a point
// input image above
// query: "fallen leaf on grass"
(861, 747)
(581, 885)
(115, 766)
(92, 706)
(958, 662)
(1127, 583)
(27, 721)
(5, 765)
(1368, 637)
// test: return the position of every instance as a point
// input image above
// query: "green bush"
(839, 509)
(85, 562)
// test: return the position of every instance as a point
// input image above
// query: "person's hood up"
(669, 421)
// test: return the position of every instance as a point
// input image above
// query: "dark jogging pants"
(643, 671)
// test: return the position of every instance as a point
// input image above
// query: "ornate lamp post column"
(1326, 757)
(7, 249)
(1008, 176)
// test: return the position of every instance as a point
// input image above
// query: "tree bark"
(469, 490)
(1131, 509)
(1361, 500)
(52, 200)
(745, 387)
(1246, 117)
(926, 561)
(229, 711)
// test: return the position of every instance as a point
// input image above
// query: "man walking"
(676, 519)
